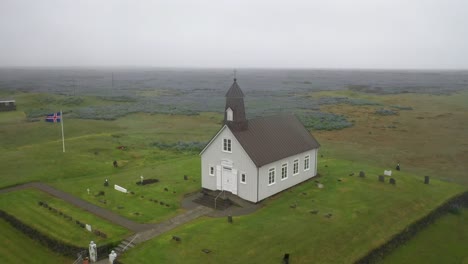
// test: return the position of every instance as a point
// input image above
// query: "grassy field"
(428, 140)
(15, 247)
(24, 206)
(365, 213)
(448, 235)
(431, 139)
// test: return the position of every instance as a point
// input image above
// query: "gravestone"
(206, 250)
(392, 181)
(176, 238)
(362, 174)
(106, 183)
(426, 179)
(185, 177)
(381, 178)
(286, 258)
(398, 167)
(115, 164)
(320, 186)
(229, 218)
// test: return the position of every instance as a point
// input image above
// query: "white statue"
(92, 251)
(112, 257)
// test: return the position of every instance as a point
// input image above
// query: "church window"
(227, 145)
(229, 116)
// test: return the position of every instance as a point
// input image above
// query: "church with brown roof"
(257, 158)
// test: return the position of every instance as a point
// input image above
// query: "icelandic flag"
(55, 117)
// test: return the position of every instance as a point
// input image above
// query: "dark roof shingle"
(269, 139)
(235, 91)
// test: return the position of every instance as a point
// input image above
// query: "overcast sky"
(411, 34)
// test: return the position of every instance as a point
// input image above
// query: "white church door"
(227, 179)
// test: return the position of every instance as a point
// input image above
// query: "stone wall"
(405, 235)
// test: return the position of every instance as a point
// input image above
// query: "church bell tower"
(234, 112)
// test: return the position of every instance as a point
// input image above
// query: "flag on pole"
(55, 117)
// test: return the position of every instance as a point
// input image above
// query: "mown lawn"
(23, 205)
(145, 204)
(365, 213)
(442, 242)
(15, 247)
(32, 151)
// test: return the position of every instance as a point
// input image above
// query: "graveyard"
(338, 223)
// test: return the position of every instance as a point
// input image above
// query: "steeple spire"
(234, 112)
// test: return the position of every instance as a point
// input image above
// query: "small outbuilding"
(257, 158)
(7, 105)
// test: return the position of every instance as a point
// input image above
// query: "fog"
(373, 34)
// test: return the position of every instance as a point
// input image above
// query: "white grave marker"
(120, 189)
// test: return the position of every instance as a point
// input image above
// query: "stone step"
(209, 201)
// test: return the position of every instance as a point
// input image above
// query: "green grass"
(32, 151)
(24, 206)
(138, 206)
(15, 247)
(365, 212)
(442, 242)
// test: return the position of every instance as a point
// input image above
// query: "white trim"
(211, 141)
(219, 185)
(229, 140)
(274, 176)
(234, 182)
(245, 177)
(283, 166)
(307, 157)
(298, 164)
(229, 114)
(227, 163)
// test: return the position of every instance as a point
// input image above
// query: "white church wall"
(214, 155)
(267, 190)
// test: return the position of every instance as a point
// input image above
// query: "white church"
(257, 158)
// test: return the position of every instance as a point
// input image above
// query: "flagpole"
(63, 137)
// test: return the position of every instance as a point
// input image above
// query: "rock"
(206, 250)
(362, 174)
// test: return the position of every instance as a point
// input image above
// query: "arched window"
(229, 114)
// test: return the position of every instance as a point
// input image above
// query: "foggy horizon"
(319, 35)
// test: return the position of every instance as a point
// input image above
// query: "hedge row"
(82, 225)
(51, 243)
(399, 239)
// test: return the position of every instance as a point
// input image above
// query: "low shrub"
(324, 121)
(191, 146)
(385, 112)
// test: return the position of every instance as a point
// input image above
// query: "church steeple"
(234, 112)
